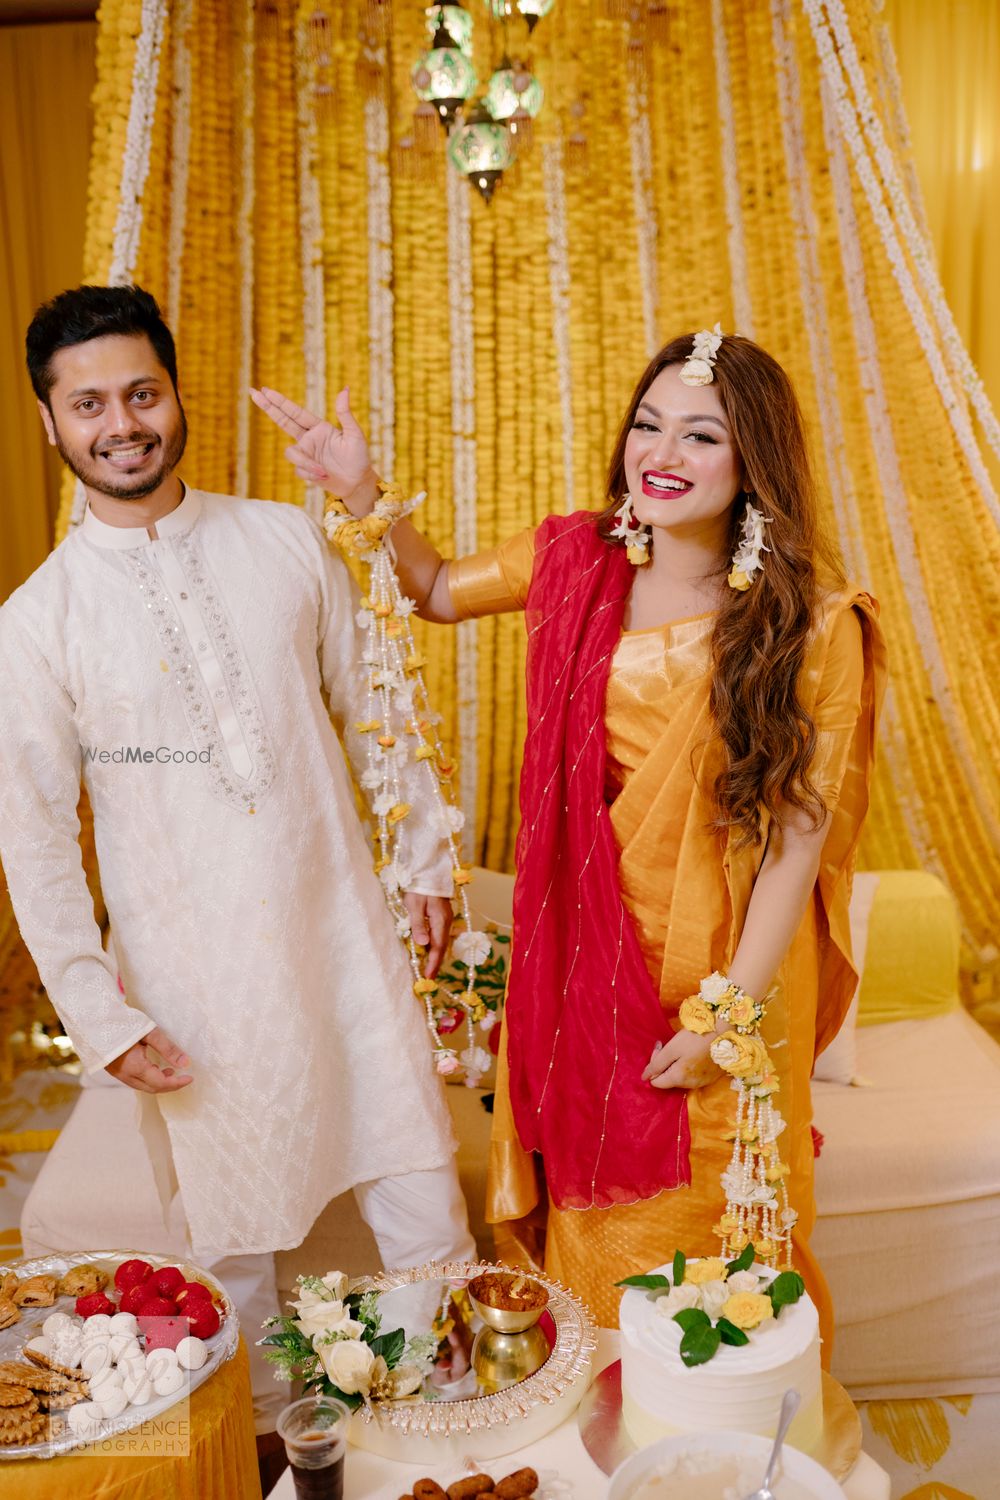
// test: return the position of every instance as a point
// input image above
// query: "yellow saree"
(687, 889)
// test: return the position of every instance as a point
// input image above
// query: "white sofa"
(908, 1182)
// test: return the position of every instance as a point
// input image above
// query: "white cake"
(739, 1388)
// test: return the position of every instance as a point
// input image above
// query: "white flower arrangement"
(698, 368)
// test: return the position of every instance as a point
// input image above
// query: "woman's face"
(681, 465)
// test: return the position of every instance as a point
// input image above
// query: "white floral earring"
(630, 530)
(747, 561)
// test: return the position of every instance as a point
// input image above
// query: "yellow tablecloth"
(204, 1450)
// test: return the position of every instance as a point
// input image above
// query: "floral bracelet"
(719, 999)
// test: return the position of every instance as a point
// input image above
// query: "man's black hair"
(91, 312)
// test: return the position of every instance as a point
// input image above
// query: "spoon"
(789, 1406)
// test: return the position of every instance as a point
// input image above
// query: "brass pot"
(504, 1359)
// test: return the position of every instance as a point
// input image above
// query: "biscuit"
(46, 1362)
(12, 1395)
(13, 1373)
(37, 1291)
(9, 1312)
(8, 1284)
(27, 1431)
(81, 1281)
(61, 1400)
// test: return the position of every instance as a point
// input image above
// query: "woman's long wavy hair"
(760, 637)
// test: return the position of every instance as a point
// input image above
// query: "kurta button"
(220, 693)
(184, 596)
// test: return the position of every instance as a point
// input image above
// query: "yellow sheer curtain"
(948, 54)
(46, 77)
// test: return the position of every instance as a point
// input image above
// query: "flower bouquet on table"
(335, 1345)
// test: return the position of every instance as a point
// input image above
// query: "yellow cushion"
(910, 966)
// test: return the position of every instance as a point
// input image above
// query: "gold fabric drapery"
(299, 234)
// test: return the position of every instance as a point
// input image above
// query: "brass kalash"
(511, 1346)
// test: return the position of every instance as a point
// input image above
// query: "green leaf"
(730, 1334)
(645, 1283)
(680, 1261)
(784, 1290)
(390, 1346)
(700, 1342)
(692, 1317)
(327, 1388)
(743, 1261)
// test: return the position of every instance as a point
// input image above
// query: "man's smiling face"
(114, 415)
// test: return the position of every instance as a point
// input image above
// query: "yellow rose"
(694, 1015)
(742, 1056)
(748, 1309)
(742, 1012)
(697, 1272)
(739, 580)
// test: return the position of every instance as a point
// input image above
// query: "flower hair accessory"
(630, 530)
(699, 367)
(747, 561)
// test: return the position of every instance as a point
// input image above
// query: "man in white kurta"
(187, 671)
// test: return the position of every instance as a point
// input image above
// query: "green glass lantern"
(512, 90)
(456, 21)
(534, 10)
(444, 77)
(480, 148)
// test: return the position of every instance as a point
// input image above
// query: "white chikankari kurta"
(246, 916)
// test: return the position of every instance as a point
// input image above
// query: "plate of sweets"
(95, 1344)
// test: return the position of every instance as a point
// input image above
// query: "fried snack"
(28, 1430)
(12, 1395)
(8, 1285)
(46, 1362)
(12, 1372)
(517, 1486)
(468, 1489)
(37, 1291)
(508, 1291)
(428, 1489)
(61, 1400)
(81, 1281)
(9, 1312)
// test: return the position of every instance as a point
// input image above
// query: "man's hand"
(430, 923)
(336, 458)
(136, 1068)
(683, 1063)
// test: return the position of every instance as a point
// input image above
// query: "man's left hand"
(430, 921)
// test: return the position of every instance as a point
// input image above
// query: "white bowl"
(803, 1471)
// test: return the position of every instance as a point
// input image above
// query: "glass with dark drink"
(314, 1432)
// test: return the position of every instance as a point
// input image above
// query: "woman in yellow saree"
(703, 691)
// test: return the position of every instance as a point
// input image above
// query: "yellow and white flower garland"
(742, 311)
(180, 153)
(382, 394)
(310, 240)
(559, 291)
(245, 138)
(757, 1209)
(400, 726)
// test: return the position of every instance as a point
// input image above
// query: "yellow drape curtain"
(46, 79)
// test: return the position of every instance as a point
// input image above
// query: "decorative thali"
(504, 1390)
(220, 1346)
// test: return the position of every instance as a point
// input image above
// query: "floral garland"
(310, 239)
(742, 313)
(398, 716)
(382, 395)
(559, 289)
(180, 150)
(757, 1210)
(135, 167)
(246, 95)
(641, 155)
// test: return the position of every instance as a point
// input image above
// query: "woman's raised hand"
(336, 458)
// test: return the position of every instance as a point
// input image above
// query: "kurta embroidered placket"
(206, 657)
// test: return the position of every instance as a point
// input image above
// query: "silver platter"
(221, 1346)
(603, 1434)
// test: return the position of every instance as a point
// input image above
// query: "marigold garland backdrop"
(257, 165)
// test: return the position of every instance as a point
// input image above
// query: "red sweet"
(202, 1319)
(94, 1302)
(134, 1297)
(164, 1333)
(157, 1307)
(132, 1273)
(167, 1281)
(194, 1291)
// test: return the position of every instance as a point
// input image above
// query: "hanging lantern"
(444, 76)
(534, 10)
(513, 91)
(480, 148)
(456, 21)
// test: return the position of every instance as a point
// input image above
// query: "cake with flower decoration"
(709, 1344)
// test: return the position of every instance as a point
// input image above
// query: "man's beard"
(127, 488)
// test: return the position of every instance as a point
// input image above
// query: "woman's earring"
(747, 560)
(630, 530)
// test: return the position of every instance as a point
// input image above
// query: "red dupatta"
(582, 1013)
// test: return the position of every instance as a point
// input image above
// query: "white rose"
(338, 1284)
(677, 1299)
(714, 987)
(743, 1281)
(318, 1315)
(697, 372)
(349, 1365)
(723, 1052)
(472, 947)
(714, 1295)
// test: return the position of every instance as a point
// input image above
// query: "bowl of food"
(706, 1465)
(508, 1301)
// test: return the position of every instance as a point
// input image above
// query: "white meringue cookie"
(84, 1419)
(57, 1322)
(191, 1353)
(95, 1357)
(138, 1388)
(124, 1322)
(158, 1360)
(97, 1323)
(40, 1345)
(121, 1343)
(67, 1348)
(170, 1381)
(113, 1403)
